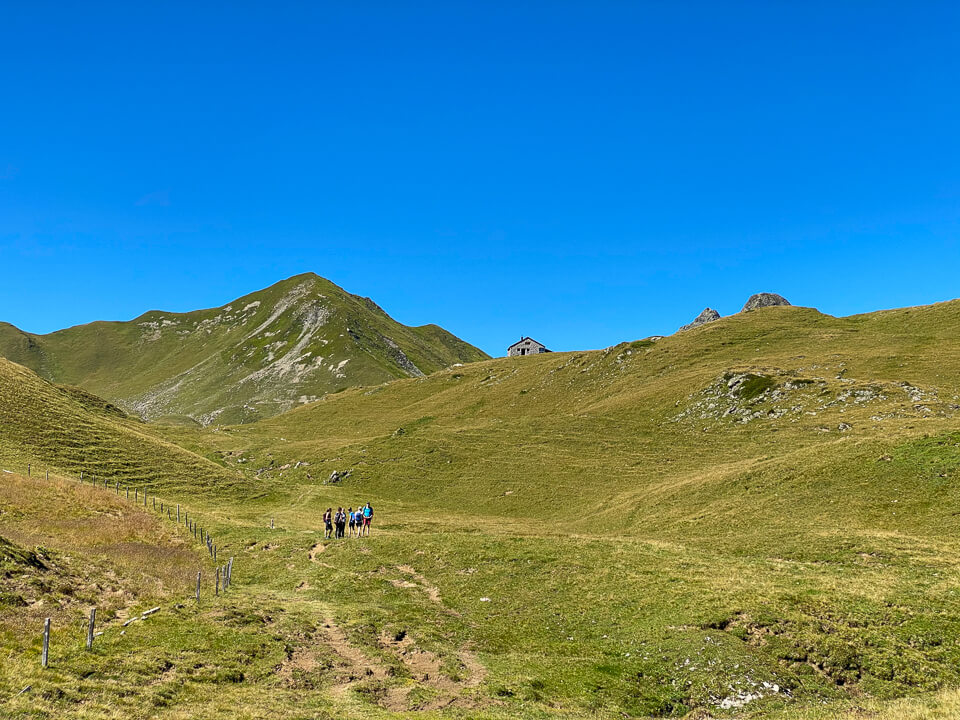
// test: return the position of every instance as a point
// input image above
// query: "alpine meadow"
(754, 518)
(479, 361)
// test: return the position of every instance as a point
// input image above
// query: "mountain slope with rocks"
(754, 302)
(708, 315)
(259, 355)
(764, 299)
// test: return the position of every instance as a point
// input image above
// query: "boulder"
(338, 476)
(761, 300)
(708, 315)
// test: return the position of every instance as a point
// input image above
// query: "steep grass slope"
(257, 356)
(70, 431)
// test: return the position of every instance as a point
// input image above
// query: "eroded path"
(388, 676)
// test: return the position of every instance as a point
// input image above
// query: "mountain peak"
(262, 354)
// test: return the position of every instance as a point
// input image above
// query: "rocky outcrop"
(708, 315)
(761, 300)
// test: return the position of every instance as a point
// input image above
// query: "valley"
(753, 518)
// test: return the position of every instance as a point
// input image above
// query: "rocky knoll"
(758, 300)
(708, 315)
(761, 300)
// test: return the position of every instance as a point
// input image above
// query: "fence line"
(223, 574)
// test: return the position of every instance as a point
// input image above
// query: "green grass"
(600, 534)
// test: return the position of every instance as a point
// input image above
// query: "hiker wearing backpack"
(341, 521)
(358, 519)
(328, 523)
(367, 518)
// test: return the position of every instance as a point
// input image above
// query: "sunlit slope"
(71, 431)
(259, 355)
(755, 519)
(664, 525)
(762, 419)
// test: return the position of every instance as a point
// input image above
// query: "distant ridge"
(257, 356)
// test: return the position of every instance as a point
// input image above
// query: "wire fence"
(222, 577)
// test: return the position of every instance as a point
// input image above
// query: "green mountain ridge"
(257, 356)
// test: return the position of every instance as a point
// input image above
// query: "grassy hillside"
(69, 431)
(755, 519)
(257, 356)
(780, 482)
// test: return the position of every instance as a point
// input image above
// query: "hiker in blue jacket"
(367, 519)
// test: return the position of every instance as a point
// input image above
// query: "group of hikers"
(335, 523)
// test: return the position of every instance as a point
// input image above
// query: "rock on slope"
(761, 300)
(708, 315)
(257, 356)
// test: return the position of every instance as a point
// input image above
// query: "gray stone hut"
(526, 346)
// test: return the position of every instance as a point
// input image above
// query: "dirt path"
(426, 668)
(431, 590)
(359, 667)
(316, 550)
(355, 668)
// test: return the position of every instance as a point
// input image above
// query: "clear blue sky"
(584, 173)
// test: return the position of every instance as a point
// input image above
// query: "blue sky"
(584, 173)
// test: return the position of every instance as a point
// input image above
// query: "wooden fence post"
(198, 587)
(118, 488)
(48, 474)
(81, 476)
(230, 572)
(45, 656)
(178, 512)
(218, 582)
(271, 523)
(93, 619)
(28, 469)
(128, 492)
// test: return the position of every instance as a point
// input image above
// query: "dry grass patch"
(93, 549)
